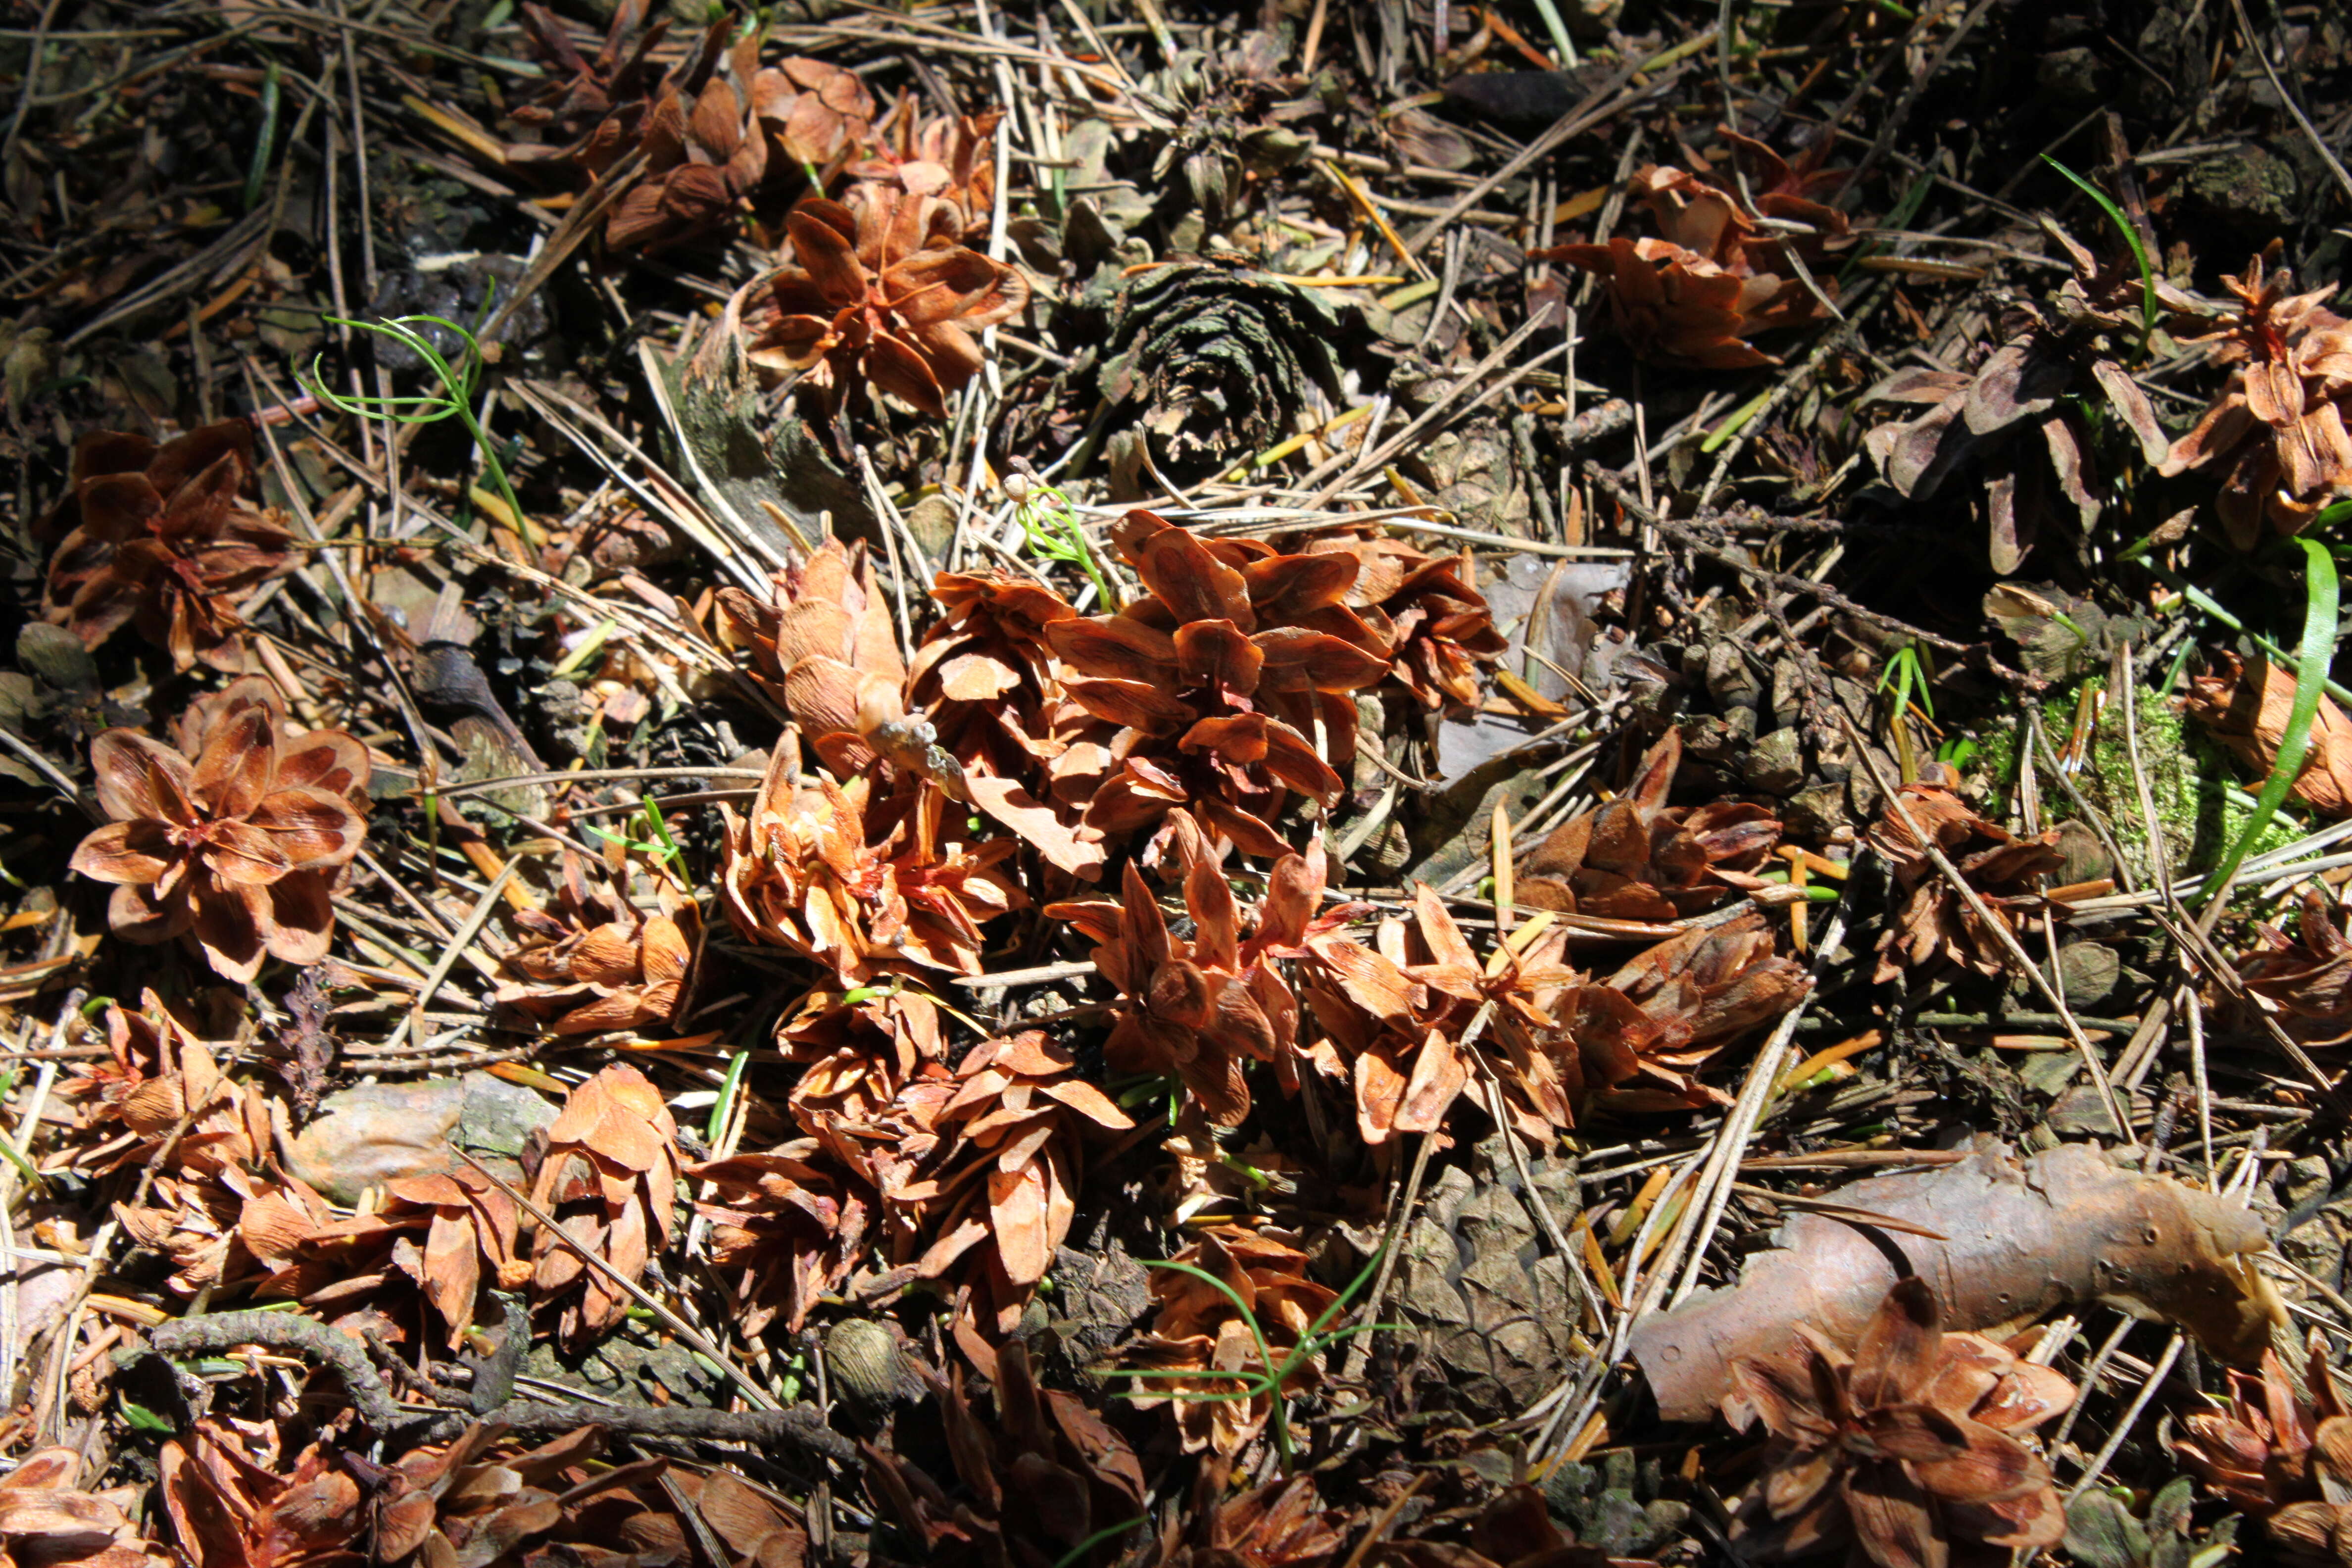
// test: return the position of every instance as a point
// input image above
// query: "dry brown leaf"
(2246, 709)
(48, 1521)
(2027, 1237)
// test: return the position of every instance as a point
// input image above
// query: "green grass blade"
(725, 1104)
(2313, 661)
(1078, 1554)
(2124, 226)
(1340, 1302)
(256, 173)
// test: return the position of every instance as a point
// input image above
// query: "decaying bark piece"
(2026, 1236)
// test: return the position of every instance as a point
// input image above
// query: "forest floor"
(1290, 785)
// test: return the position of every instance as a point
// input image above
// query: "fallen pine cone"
(164, 539)
(1904, 1448)
(2277, 430)
(1935, 924)
(1209, 363)
(1716, 279)
(880, 292)
(1233, 659)
(238, 850)
(1636, 858)
(611, 1174)
(2285, 1462)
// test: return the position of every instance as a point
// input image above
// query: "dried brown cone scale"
(1634, 858)
(235, 1496)
(801, 872)
(788, 1225)
(1280, 1524)
(2246, 709)
(825, 647)
(47, 1518)
(990, 686)
(704, 145)
(588, 104)
(989, 1173)
(596, 962)
(705, 150)
(1198, 1329)
(2306, 980)
(819, 112)
(610, 1176)
(1936, 924)
(950, 156)
(1195, 1009)
(1442, 636)
(2046, 361)
(486, 1498)
(1043, 1481)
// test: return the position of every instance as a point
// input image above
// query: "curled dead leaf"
(2027, 1235)
(2246, 709)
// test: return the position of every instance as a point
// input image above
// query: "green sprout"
(2329, 516)
(658, 844)
(1270, 1377)
(459, 385)
(724, 1105)
(1906, 675)
(2131, 236)
(256, 172)
(1051, 526)
(2313, 661)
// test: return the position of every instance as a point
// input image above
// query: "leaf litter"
(1394, 783)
